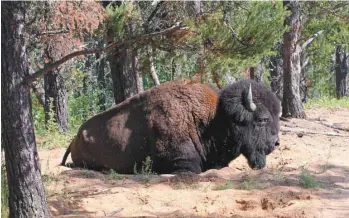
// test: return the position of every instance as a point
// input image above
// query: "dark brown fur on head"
(182, 126)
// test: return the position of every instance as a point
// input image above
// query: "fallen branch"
(307, 131)
(328, 124)
(334, 126)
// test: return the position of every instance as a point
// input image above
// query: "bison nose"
(277, 143)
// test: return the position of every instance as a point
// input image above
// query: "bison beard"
(182, 126)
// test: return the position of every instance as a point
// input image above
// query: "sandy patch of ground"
(234, 191)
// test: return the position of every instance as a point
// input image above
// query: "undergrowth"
(227, 185)
(327, 102)
(248, 184)
(307, 180)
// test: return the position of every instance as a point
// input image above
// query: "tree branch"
(308, 131)
(311, 39)
(53, 32)
(111, 46)
(154, 12)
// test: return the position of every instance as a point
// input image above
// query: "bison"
(183, 126)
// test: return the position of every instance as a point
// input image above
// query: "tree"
(257, 73)
(341, 68)
(56, 98)
(324, 26)
(65, 28)
(276, 72)
(26, 190)
(124, 68)
(291, 102)
(124, 63)
(100, 65)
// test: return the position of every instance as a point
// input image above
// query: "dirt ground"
(317, 158)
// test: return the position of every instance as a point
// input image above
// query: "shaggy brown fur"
(175, 124)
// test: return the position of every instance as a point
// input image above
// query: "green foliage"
(225, 186)
(146, 168)
(248, 184)
(82, 104)
(329, 18)
(327, 102)
(114, 175)
(4, 193)
(241, 42)
(87, 173)
(307, 180)
(48, 179)
(119, 16)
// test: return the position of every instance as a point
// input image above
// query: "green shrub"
(248, 184)
(307, 180)
(327, 102)
(225, 186)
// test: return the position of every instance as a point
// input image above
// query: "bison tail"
(67, 152)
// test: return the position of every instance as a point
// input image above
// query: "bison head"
(251, 113)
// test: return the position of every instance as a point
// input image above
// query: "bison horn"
(250, 105)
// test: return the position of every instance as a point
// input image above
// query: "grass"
(112, 175)
(54, 139)
(248, 184)
(327, 102)
(227, 185)
(146, 168)
(279, 175)
(87, 173)
(48, 179)
(307, 180)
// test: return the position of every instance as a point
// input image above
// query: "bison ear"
(250, 105)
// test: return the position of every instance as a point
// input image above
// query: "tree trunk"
(26, 190)
(291, 103)
(56, 94)
(342, 59)
(173, 68)
(124, 66)
(101, 81)
(40, 95)
(303, 78)
(152, 66)
(276, 73)
(127, 80)
(257, 73)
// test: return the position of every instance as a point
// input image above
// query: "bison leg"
(185, 166)
(184, 158)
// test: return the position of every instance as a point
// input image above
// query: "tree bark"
(276, 73)
(291, 103)
(101, 81)
(127, 80)
(124, 68)
(152, 66)
(56, 94)
(40, 95)
(303, 86)
(257, 73)
(341, 68)
(26, 190)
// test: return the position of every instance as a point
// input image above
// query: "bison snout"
(277, 142)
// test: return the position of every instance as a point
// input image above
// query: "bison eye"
(262, 120)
